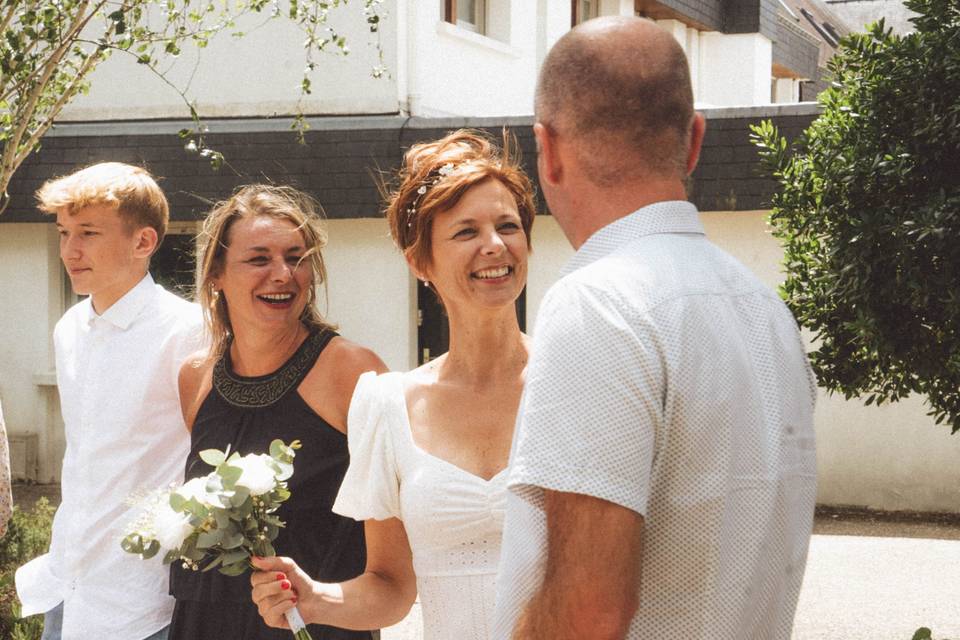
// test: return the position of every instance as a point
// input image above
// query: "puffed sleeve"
(371, 487)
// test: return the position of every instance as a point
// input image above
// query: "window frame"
(575, 12)
(479, 24)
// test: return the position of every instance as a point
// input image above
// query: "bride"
(429, 447)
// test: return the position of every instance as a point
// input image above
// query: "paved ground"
(869, 576)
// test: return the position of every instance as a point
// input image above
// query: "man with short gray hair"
(662, 477)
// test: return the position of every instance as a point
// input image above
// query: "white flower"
(446, 169)
(196, 489)
(258, 475)
(422, 190)
(171, 527)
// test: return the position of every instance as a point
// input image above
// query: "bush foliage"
(867, 211)
(28, 536)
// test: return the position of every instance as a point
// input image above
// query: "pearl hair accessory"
(444, 171)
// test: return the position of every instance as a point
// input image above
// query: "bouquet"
(219, 521)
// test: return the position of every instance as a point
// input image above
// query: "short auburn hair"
(131, 190)
(435, 175)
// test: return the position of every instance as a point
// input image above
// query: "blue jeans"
(53, 626)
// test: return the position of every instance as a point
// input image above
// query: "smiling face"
(264, 278)
(103, 256)
(479, 250)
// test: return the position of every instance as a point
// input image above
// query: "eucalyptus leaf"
(213, 564)
(209, 539)
(232, 540)
(212, 457)
(229, 476)
(236, 569)
(150, 550)
(177, 502)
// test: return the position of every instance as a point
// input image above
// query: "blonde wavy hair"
(131, 190)
(282, 203)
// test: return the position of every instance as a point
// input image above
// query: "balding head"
(619, 89)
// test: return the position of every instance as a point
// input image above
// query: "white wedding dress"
(453, 519)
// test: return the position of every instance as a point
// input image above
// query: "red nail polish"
(285, 585)
(293, 600)
(280, 576)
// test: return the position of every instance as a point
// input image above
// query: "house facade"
(451, 64)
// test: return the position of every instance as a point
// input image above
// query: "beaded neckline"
(263, 391)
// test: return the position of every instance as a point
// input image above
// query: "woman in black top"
(275, 369)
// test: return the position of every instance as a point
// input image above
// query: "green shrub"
(28, 535)
(868, 211)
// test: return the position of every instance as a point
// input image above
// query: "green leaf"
(213, 564)
(229, 475)
(236, 569)
(240, 499)
(232, 540)
(923, 633)
(152, 548)
(177, 502)
(209, 539)
(212, 457)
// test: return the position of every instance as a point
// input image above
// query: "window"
(174, 265)
(583, 10)
(466, 14)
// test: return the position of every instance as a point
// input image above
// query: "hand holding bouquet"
(222, 519)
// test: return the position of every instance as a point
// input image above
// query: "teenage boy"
(118, 353)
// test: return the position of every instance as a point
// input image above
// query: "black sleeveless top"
(248, 413)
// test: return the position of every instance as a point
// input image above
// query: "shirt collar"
(124, 311)
(672, 216)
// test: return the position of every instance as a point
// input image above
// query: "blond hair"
(282, 203)
(131, 190)
(425, 188)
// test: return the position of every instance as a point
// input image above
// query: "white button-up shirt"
(667, 379)
(117, 377)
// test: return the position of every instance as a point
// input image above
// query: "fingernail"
(280, 576)
(285, 585)
(293, 600)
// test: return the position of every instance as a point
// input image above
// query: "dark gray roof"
(342, 159)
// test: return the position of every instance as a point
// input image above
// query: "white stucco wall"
(452, 71)
(31, 286)
(550, 252)
(256, 75)
(890, 457)
(733, 69)
(372, 294)
(553, 20)
(616, 8)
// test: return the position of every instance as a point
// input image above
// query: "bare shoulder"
(194, 383)
(329, 386)
(350, 360)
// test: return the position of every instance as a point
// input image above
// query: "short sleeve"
(371, 487)
(592, 404)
